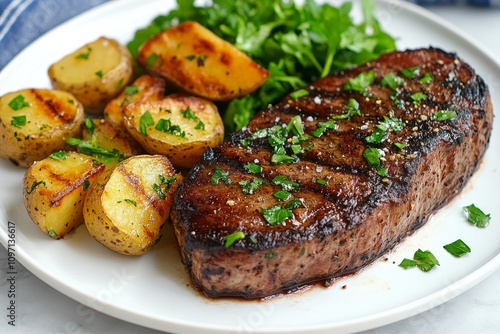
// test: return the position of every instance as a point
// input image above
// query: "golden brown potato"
(35, 123)
(179, 126)
(103, 135)
(144, 88)
(94, 74)
(196, 60)
(54, 191)
(127, 207)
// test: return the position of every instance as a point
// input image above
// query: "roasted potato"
(144, 88)
(54, 191)
(178, 126)
(127, 207)
(194, 59)
(35, 123)
(94, 74)
(108, 145)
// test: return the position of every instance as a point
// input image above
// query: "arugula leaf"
(297, 42)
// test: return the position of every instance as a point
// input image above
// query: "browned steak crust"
(363, 210)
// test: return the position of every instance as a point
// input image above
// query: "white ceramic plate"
(154, 290)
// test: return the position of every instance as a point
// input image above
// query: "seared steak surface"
(409, 130)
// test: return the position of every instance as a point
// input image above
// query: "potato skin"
(54, 191)
(192, 58)
(51, 117)
(94, 74)
(127, 206)
(183, 152)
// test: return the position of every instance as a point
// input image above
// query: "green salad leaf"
(298, 44)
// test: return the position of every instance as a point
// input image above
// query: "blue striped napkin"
(23, 21)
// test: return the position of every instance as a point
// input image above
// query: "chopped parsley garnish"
(90, 149)
(145, 121)
(165, 125)
(360, 83)
(165, 184)
(457, 248)
(322, 182)
(284, 183)
(129, 201)
(151, 61)
(323, 126)
(18, 121)
(298, 94)
(276, 214)
(131, 90)
(411, 72)
(86, 184)
(282, 195)
(52, 233)
(249, 187)
(200, 60)
(84, 55)
(60, 155)
(34, 185)
(285, 148)
(379, 134)
(189, 114)
(400, 145)
(424, 260)
(282, 158)
(293, 204)
(253, 168)
(418, 97)
(89, 125)
(230, 239)
(352, 108)
(392, 81)
(444, 115)
(476, 216)
(372, 155)
(270, 255)
(295, 126)
(99, 74)
(18, 103)
(427, 78)
(220, 174)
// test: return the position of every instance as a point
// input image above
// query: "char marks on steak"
(360, 213)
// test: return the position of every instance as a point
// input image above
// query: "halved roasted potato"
(95, 73)
(127, 207)
(105, 143)
(54, 191)
(144, 88)
(178, 126)
(37, 122)
(199, 62)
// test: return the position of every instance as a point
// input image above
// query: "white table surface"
(41, 309)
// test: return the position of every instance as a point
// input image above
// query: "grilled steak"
(334, 176)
